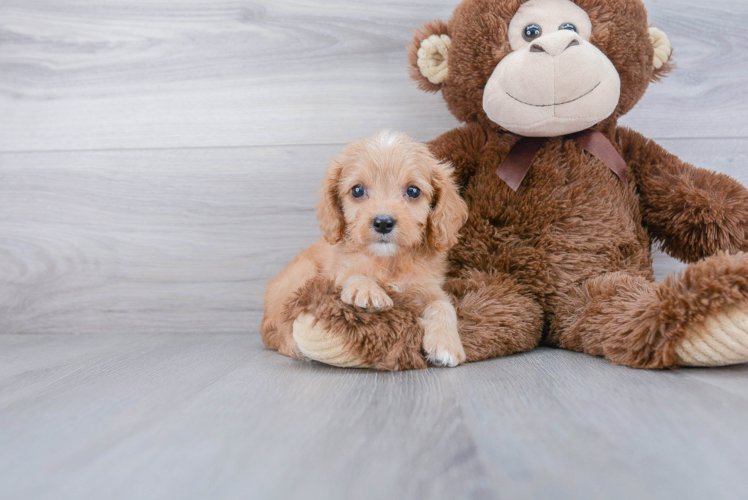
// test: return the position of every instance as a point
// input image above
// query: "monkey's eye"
(358, 191)
(532, 32)
(413, 192)
(568, 26)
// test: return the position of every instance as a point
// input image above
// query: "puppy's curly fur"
(388, 177)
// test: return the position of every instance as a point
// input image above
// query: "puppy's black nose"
(383, 224)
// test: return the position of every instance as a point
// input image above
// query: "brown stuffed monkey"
(563, 203)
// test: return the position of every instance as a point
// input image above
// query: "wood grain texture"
(159, 161)
(176, 240)
(192, 73)
(195, 416)
(150, 240)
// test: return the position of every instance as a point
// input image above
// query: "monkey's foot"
(721, 339)
(317, 343)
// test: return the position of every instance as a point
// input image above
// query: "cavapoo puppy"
(389, 211)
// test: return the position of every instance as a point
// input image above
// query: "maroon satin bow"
(515, 166)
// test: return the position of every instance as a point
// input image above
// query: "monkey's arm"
(690, 211)
(461, 147)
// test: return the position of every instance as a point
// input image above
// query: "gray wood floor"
(159, 162)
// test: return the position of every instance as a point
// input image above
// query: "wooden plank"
(733, 379)
(72, 413)
(688, 103)
(201, 416)
(159, 257)
(215, 416)
(566, 425)
(150, 240)
(164, 74)
(174, 240)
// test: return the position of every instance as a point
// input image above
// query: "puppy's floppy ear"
(449, 211)
(329, 212)
(428, 56)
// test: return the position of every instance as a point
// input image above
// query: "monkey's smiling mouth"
(558, 103)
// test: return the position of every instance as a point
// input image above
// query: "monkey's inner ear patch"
(432, 58)
(662, 47)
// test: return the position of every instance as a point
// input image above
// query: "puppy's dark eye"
(532, 32)
(413, 192)
(358, 191)
(568, 26)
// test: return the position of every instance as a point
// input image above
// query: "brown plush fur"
(388, 340)
(392, 339)
(632, 321)
(478, 29)
(566, 258)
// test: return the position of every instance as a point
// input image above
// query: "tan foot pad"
(316, 343)
(720, 340)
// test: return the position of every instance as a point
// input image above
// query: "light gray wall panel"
(159, 161)
(162, 73)
(176, 240)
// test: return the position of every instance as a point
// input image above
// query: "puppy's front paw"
(441, 340)
(443, 349)
(366, 296)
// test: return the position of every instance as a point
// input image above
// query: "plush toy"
(563, 203)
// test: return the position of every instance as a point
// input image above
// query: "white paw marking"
(446, 358)
(441, 340)
(443, 348)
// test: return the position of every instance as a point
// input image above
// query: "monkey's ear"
(662, 52)
(428, 56)
(329, 211)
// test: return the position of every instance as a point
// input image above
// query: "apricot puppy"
(389, 211)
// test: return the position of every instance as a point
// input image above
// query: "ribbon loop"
(517, 163)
